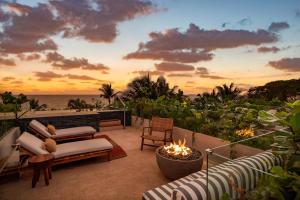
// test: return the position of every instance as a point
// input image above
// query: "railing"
(124, 111)
(211, 152)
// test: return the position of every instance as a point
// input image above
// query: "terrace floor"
(124, 178)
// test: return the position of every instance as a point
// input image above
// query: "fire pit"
(176, 160)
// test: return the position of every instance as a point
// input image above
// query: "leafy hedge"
(219, 119)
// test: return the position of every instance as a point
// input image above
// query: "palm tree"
(228, 92)
(77, 104)
(141, 87)
(107, 92)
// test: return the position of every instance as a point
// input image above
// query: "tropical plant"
(77, 104)
(226, 92)
(107, 92)
(282, 185)
(144, 87)
(276, 89)
(34, 104)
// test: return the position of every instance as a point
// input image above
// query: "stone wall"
(78, 120)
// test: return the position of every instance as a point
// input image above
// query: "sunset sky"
(73, 46)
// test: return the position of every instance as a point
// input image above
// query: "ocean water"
(61, 101)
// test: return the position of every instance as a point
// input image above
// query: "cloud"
(170, 67)
(171, 56)
(190, 82)
(204, 73)
(278, 26)
(7, 62)
(47, 76)
(180, 75)
(79, 77)
(59, 61)
(268, 49)
(297, 13)
(29, 57)
(152, 73)
(286, 64)
(17, 82)
(29, 29)
(245, 21)
(225, 24)
(97, 21)
(196, 38)
(8, 78)
(196, 44)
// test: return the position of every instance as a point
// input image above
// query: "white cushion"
(40, 128)
(31, 143)
(85, 146)
(74, 131)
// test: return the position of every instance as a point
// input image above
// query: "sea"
(59, 102)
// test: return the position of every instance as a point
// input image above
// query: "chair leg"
(50, 172)
(34, 178)
(142, 144)
(46, 176)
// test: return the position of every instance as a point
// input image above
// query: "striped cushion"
(196, 189)
(240, 171)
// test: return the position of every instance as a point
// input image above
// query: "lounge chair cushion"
(37, 126)
(74, 131)
(51, 129)
(50, 145)
(84, 146)
(32, 143)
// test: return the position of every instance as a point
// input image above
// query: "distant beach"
(61, 101)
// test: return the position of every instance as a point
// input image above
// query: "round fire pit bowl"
(175, 168)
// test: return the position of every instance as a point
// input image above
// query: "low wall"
(203, 141)
(69, 121)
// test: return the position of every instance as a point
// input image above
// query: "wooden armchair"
(161, 129)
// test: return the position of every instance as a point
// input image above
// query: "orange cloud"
(286, 64)
(172, 56)
(204, 73)
(180, 75)
(170, 66)
(268, 49)
(59, 61)
(7, 61)
(8, 78)
(29, 57)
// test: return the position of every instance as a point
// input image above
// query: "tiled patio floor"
(125, 178)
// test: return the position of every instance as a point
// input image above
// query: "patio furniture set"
(176, 161)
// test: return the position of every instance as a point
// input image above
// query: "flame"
(178, 149)
(247, 132)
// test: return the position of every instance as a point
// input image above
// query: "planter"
(175, 169)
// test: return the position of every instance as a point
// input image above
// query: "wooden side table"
(41, 162)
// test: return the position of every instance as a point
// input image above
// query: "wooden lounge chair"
(82, 132)
(66, 152)
(161, 129)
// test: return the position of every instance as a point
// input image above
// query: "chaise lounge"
(82, 132)
(66, 152)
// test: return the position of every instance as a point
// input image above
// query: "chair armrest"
(144, 128)
(168, 131)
